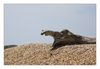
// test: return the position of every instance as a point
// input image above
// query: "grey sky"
(24, 22)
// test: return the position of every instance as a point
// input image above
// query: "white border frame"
(2, 2)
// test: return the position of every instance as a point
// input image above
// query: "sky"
(23, 23)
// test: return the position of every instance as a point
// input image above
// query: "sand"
(40, 54)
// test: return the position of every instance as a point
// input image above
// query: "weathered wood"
(65, 37)
(9, 46)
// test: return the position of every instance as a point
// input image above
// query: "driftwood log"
(65, 37)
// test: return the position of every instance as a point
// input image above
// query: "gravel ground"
(40, 54)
